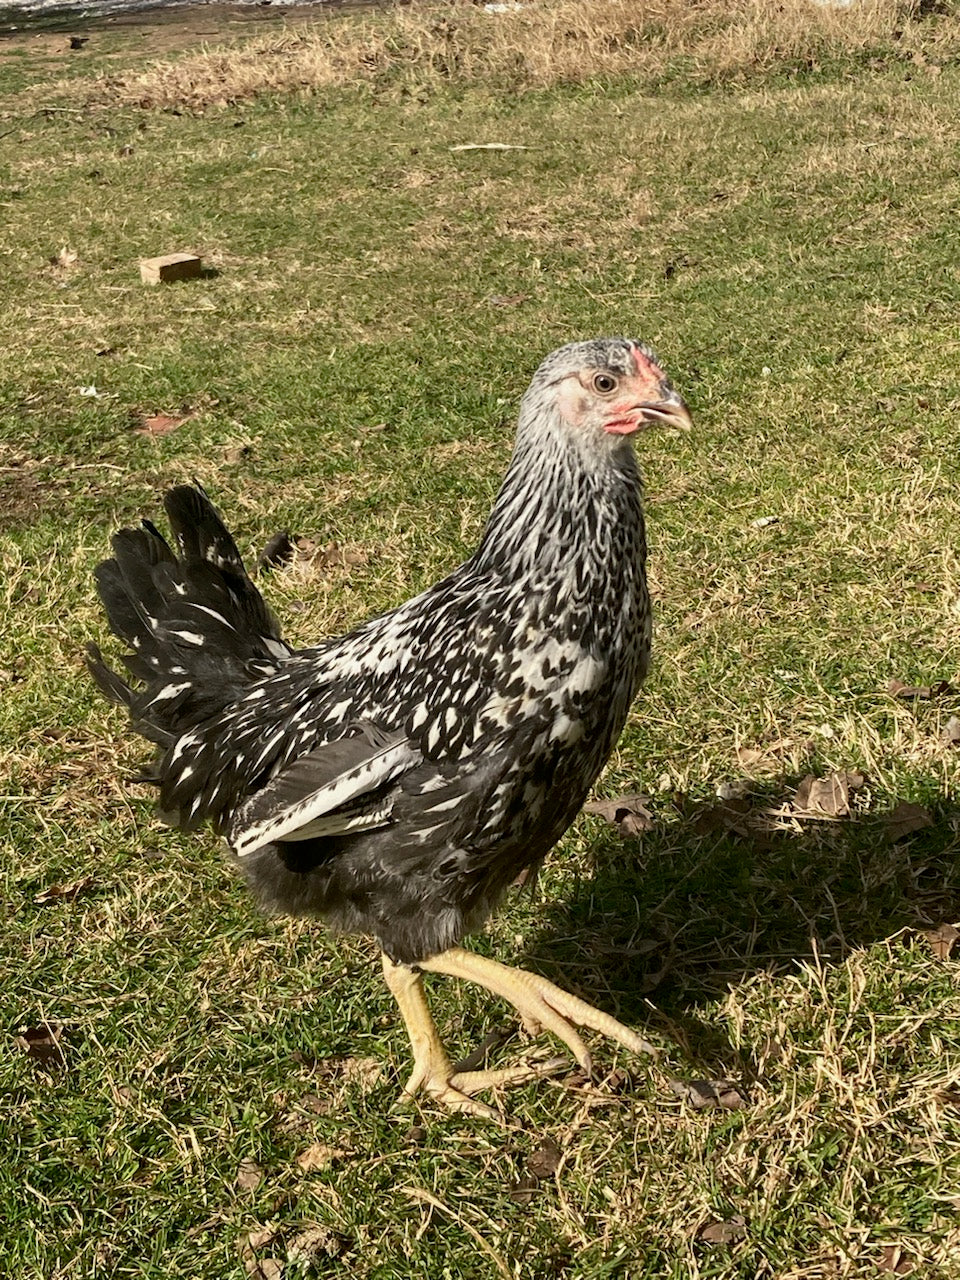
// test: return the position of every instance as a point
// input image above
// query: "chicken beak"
(671, 409)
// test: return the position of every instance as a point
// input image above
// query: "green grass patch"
(349, 368)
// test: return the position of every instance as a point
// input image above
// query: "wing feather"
(334, 789)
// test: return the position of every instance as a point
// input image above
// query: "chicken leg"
(540, 1004)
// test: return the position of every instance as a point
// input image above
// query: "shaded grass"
(790, 247)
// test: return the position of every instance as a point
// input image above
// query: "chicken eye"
(604, 383)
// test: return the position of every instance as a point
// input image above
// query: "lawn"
(777, 210)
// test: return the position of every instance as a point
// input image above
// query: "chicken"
(396, 780)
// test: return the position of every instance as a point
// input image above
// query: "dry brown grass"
(550, 42)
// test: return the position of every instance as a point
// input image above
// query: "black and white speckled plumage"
(395, 780)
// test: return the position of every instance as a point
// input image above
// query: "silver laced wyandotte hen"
(396, 780)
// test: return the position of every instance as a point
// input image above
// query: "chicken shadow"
(712, 894)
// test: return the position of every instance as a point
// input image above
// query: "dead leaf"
(507, 300)
(629, 814)
(249, 1175)
(897, 689)
(368, 1071)
(525, 1188)
(732, 815)
(302, 1111)
(43, 1045)
(544, 1162)
(722, 1232)
(279, 551)
(64, 259)
(264, 1268)
(827, 797)
(319, 1156)
(313, 1243)
(63, 892)
(904, 819)
(942, 940)
(735, 790)
(894, 1260)
(951, 732)
(161, 424)
(311, 557)
(705, 1094)
(259, 1238)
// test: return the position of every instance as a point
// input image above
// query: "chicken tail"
(197, 627)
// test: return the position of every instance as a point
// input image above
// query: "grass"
(786, 234)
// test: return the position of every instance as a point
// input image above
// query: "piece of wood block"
(172, 266)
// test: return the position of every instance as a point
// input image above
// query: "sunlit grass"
(375, 305)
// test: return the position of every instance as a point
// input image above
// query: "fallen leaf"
(507, 300)
(249, 1175)
(42, 1045)
(311, 557)
(545, 1161)
(313, 1243)
(721, 1232)
(705, 1094)
(942, 940)
(827, 797)
(904, 819)
(951, 732)
(897, 689)
(525, 1188)
(319, 1156)
(63, 892)
(629, 814)
(64, 258)
(894, 1260)
(161, 424)
(735, 790)
(763, 522)
(279, 551)
(264, 1268)
(368, 1071)
(260, 1237)
(732, 815)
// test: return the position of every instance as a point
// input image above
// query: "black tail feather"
(197, 627)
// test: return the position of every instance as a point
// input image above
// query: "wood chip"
(170, 266)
